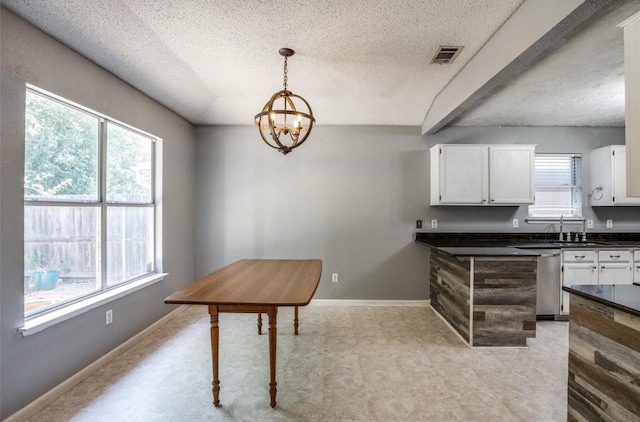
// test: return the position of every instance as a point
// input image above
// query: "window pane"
(61, 150)
(554, 172)
(558, 181)
(129, 243)
(61, 253)
(129, 168)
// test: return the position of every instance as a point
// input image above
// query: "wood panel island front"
(604, 353)
(486, 294)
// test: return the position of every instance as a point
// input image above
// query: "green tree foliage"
(128, 164)
(60, 149)
(61, 155)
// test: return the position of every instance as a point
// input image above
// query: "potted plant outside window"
(45, 270)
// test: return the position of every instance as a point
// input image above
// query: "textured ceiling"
(579, 83)
(356, 62)
(217, 61)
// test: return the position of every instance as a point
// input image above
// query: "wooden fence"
(68, 238)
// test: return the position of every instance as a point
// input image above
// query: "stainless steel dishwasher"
(548, 285)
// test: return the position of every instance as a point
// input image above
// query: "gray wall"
(31, 366)
(548, 140)
(349, 196)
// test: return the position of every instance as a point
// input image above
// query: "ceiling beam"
(534, 27)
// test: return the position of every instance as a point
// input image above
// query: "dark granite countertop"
(525, 240)
(625, 297)
(487, 251)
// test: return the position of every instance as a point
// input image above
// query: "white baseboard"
(48, 397)
(347, 302)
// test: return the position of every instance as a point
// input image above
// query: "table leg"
(295, 321)
(215, 338)
(272, 311)
(259, 323)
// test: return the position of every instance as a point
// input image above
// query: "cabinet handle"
(492, 199)
(593, 268)
(614, 256)
(602, 267)
(579, 257)
(484, 200)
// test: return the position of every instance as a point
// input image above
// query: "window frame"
(41, 318)
(576, 190)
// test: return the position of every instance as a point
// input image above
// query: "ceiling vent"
(446, 54)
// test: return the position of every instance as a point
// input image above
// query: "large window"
(558, 182)
(89, 210)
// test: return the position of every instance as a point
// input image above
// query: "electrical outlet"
(589, 224)
(109, 317)
(334, 277)
(434, 224)
(418, 224)
(609, 224)
(515, 223)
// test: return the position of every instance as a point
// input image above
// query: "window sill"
(39, 323)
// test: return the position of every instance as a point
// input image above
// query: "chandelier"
(286, 119)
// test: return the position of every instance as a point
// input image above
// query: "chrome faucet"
(561, 227)
(584, 229)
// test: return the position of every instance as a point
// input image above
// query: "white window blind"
(558, 179)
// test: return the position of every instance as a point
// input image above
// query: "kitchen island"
(604, 352)
(486, 294)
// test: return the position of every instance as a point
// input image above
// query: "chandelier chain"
(285, 73)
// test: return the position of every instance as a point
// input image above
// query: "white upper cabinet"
(482, 174)
(459, 174)
(608, 177)
(512, 174)
(632, 103)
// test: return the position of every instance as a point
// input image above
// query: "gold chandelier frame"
(284, 124)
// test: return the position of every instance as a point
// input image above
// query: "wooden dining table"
(252, 286)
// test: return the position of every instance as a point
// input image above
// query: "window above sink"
(558, 187)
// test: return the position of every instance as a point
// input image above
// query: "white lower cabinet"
(615, 267)
(578, 267)
(601, 266)
(584, 273)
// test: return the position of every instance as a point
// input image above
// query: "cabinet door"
(615, 273)
(577, 273)
(620, 177)
(632, 100)
(511, 174)
(636, 272)
(463, 174)
(580, 274)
